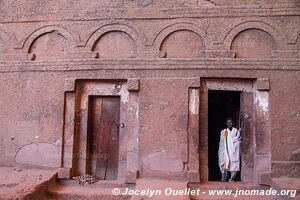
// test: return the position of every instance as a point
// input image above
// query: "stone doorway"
(100, 121)
(97, 142)
(103, 136)
(250, 105)
(221, 104)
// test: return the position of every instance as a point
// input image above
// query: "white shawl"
(229, 150)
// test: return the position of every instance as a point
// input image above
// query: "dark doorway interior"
(103, 137)
(221, 104)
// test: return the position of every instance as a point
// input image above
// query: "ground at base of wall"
(241, 191)
(64, 190)
(22, 183)
(287, 183)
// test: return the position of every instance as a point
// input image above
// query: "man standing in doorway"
(229, 151)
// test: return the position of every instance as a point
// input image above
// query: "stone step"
(98, 184)
(81, 192)
(103, 190)
(24, 182)
(206, 187)
(161, 189)
(287, 183)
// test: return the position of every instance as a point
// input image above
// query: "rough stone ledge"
(265, 178)
(286, 183)
(26, 182)
(153, 64)
(121, 13)
(286, 168)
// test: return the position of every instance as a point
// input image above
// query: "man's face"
(229, 123)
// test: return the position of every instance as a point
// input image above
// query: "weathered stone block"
(264, 178)
(64, 173)
(69, 85)
(131, 177)
(133, 85)
(263, 84)
(193, 177)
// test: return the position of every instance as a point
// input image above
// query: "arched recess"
(49, 46)
(28, 41)
(253, 43)
(96, 35)
(114, 45)
(182, 43)
(236, 27)
(160, 35)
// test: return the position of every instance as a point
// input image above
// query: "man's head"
(229, 123)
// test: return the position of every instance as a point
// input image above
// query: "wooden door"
(103, 137)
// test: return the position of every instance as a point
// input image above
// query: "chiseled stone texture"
(41, 154)
(160, 161)
(46, 47)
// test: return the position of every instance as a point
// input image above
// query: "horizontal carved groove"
(154, 64)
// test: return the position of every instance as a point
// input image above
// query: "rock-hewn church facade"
(133, 89)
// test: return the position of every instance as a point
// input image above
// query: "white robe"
(229, 150)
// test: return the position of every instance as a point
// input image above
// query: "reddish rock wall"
(163, 45)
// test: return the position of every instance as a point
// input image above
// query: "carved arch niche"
(49, 46)
(182, 44)
(253, 43)
(114, 45)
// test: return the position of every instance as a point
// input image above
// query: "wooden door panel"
(104, 122)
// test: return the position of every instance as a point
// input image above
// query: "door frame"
(85, 90)
(256, 109)
(74, 131)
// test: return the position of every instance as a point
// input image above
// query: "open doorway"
(221, 104)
